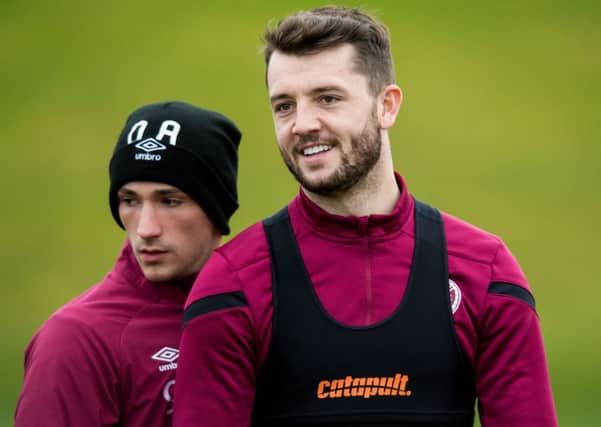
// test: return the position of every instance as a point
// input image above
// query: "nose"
(148, 222)
(306, 120)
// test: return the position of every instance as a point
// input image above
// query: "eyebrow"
(160, 192)
(316, 91)
(168, 191)
(323, 89)
(278, 97)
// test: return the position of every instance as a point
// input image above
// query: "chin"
(318, 179)
(158, 276)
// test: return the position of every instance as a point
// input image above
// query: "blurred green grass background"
(500, 125)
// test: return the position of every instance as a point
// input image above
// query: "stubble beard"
(354, 166)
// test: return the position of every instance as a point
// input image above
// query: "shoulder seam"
(253, 261)
(490, 273)
(480, 261)
(241, 284)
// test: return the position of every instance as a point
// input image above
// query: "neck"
(375, 193)
(184, 283)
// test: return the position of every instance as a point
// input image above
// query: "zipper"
(364, 230)
(368, 285)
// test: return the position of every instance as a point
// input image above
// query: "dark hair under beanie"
(182, 145)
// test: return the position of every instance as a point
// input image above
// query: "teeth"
(316, 149)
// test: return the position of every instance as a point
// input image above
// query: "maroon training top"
(106, 358)
(359, 267)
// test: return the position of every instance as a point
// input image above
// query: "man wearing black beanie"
(109, 356)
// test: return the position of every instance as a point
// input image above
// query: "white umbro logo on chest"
(166, 354)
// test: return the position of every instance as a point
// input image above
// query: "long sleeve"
(215, 379)
(69, 379)
(512, 378)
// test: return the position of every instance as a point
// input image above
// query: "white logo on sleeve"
(169, 355)
(455, 295)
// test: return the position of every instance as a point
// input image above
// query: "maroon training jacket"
(359, 267)
(106, 358)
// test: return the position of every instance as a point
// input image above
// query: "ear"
(390, 100)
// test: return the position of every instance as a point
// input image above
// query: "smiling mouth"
(316, 149)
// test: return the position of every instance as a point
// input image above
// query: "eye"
(127, 201)
(172, 202)
(282, 107)
(329, 99)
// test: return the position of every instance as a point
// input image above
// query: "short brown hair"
(310, 32)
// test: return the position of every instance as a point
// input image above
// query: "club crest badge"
(455, 295)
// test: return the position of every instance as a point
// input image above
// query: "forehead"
(331, 67)
(149, 187)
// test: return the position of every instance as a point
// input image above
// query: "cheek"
(349, 126)
(198, 250)
(283, 132)
(130, 223)
(281, 138)
(195, 237)
(126, 216)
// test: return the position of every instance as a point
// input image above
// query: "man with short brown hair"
(356, 304)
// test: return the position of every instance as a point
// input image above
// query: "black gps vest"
(407, 370)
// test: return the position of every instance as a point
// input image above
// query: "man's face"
(170, 234)
(325, 118)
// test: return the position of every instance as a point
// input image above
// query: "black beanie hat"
(182, 145)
